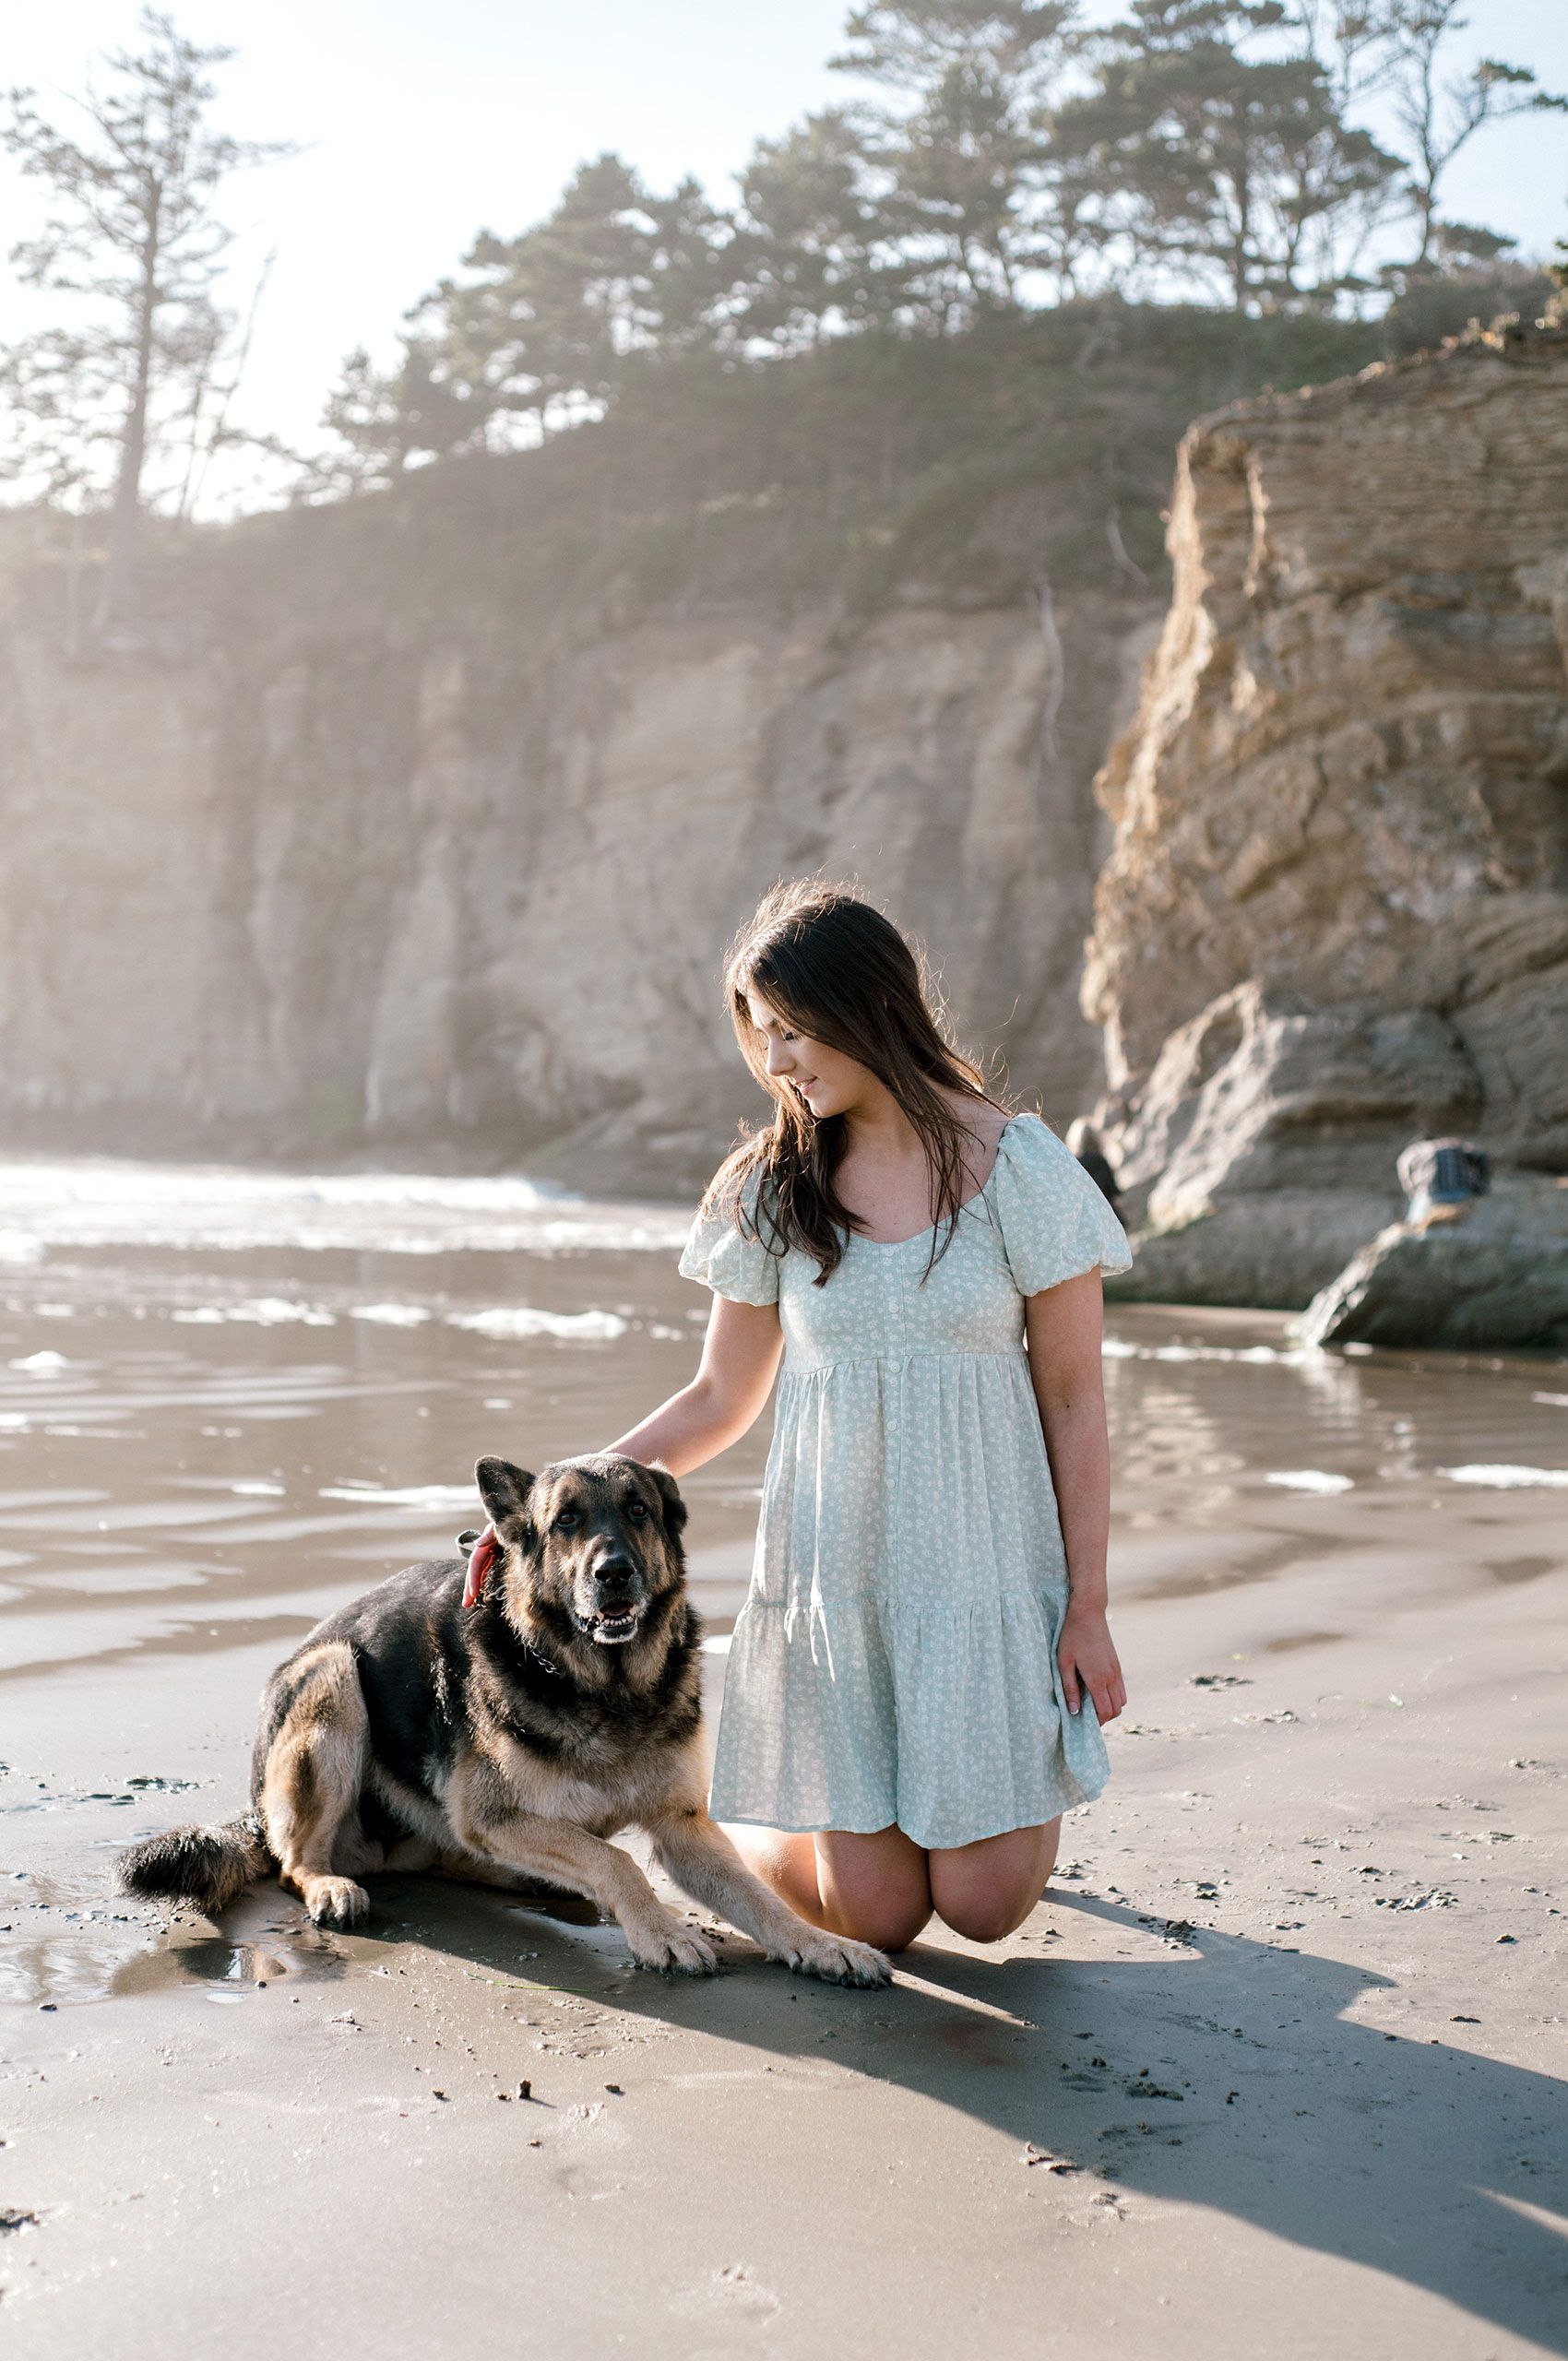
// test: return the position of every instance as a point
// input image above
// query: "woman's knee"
(876, 1889)
(985, 1917)
(985, 1891)
(888, 1912)
(887, 1925)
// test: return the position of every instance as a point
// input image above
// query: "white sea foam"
(1311, 1480)
(431, 1498)
(393, 1315)
(1509, 1479)
(101, 1201)
(258, 1312)
(44, 1364)
(507, 1323)
(1124, 1349)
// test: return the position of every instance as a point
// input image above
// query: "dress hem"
(927, 1843)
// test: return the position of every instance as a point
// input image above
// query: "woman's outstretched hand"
(1086, 1655)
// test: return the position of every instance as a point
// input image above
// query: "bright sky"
(425, 120)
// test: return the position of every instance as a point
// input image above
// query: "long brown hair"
(836, 970)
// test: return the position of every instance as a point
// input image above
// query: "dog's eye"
(567, 1521)
(637, 1512)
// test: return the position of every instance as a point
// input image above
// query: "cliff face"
(1336, 912)
(323, 886)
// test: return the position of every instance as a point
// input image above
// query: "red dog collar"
(480, 1560)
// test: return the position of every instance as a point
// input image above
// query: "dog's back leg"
(311, 1783)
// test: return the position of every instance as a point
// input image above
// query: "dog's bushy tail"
(207, 1867)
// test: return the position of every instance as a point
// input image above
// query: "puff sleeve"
(741, 1268)
(1054, 1222)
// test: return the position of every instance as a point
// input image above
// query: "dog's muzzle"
(619, 1603)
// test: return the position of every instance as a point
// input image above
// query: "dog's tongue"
(481, 1559)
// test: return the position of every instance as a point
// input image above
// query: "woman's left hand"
(1086, 1655)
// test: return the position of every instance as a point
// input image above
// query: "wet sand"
(1277, 2065)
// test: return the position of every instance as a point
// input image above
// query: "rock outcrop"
(1336, 912)
(1493, 1273)
(330, 885)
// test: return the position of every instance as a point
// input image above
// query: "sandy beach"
(1277, 2066)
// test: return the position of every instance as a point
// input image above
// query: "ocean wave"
(259, 1312)
(1502, 1478)
(103, 1201)
(433, 1499)
(522, 1320)
(1124, 1349)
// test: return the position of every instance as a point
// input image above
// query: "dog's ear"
(672, 1506)
(505, 1490)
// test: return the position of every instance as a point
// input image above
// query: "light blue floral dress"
(896, 1658)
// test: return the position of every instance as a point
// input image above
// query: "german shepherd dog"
(507, 1740)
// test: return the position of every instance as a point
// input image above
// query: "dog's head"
(593, 1544)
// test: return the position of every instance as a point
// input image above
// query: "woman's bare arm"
(1063, 1327)
(740, 1360)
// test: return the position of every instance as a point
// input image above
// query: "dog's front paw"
(337, 1902)
(672, 1949)
(837, 1959)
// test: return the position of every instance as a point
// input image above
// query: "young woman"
(916, 1681)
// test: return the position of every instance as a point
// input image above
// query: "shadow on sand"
(1211, 2072)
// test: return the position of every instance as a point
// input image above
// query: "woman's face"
(825, 1080)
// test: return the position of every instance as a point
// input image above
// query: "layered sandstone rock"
(331, 887)
(1336, 912)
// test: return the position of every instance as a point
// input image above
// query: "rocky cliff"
(1335, 915)
(320, 880)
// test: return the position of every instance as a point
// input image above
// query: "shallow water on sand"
(230, 1400)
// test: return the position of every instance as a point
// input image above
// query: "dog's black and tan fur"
(508, 1741)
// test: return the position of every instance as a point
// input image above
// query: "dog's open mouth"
(611, 1629)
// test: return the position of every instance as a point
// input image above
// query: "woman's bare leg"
(785, 1863)
(875, 1888)
(987, 1889)
(884, 1887)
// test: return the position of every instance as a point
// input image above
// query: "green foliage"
(545, 324)
(1228, 162)
(810, 260)
(865, 472)
(1016, 158)
(1435, 304)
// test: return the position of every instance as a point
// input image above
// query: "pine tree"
(1439, 119)
(133, 232)
(966, 186)
(1223, 159)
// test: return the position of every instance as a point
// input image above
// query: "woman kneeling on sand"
(918, 1676)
